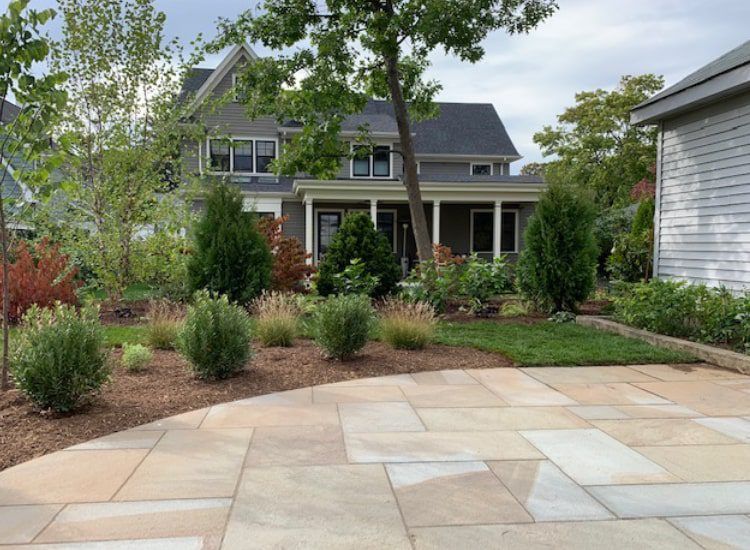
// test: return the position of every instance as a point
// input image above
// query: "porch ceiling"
(389, 190)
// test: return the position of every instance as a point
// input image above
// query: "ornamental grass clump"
(164, 323)
(135, 357)
(59, 359)
(342, 325)
(277, 319)
(215, 338)
(407, 325)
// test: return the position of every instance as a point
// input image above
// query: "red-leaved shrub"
(41, 277)
(290, 267)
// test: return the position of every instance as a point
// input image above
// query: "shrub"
(215, 338)
(436, 280)
(632, 251)
(562, 317)
(277, 319)
(290, 268)
(357, 238)
(59, 357)
(557, 267)
(407, 325)
(666, 307)
(480, 280)
(161, 263)
(355, 280)
(164, 323)
(135, 357)
(342, 325)
(230, 255)
(42, 277)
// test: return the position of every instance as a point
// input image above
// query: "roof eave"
(709, 91)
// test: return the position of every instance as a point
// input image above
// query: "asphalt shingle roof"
(10, 112)
(471, 129)
(731, 60)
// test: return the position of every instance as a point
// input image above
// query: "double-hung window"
(219, 153)
(377, 164)
(241, 155)
(265, 152)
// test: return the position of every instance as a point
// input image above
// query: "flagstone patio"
(649, 456)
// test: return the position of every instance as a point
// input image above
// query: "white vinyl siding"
(704, 196)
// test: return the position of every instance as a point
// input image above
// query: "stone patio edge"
(717, 356)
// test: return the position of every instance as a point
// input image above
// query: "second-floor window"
(377, 164)
(481, 169)
(241, 155)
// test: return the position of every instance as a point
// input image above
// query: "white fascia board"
(438, 191)
(220, 72)
(724, 85)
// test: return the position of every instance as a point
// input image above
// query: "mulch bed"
(167, 387)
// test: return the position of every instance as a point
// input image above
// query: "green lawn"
(117, 335)
(555, 344)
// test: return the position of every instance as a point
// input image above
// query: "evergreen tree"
(230, 255)
(357, 238)
(557, 267)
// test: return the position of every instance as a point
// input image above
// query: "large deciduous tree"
(25, 135)
(123, 126)
(595, 145)
(330, 57)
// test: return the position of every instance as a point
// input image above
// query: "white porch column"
(497, 227)
(309, 225)
(374, 212)
(436, 222)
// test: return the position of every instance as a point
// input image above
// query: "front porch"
(483, 218)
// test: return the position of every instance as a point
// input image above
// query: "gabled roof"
(460, 129)
(726, 75)
(10, 112)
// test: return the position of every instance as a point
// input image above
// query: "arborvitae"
(230, 255)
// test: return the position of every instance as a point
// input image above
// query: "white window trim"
(491, 211)
(231, 139)
(372, 176)
(317, 211)
(473, 164)
(394, 211)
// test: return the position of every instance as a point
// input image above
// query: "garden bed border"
(717, 356)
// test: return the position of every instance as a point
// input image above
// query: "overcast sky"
(530, 79)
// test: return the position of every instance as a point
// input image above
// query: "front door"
(328, 224)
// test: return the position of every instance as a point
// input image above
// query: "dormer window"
(481, 169)
(376, 165)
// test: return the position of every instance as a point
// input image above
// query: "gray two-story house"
(472, 202)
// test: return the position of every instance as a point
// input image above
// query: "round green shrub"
(135, 357)
(557, 267)
(215, 338)
(357, 239)
(231, 256)
(59, 358)
(342, 325)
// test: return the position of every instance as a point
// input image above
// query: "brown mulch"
(167, 387)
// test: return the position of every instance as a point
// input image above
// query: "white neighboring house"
(702, 221)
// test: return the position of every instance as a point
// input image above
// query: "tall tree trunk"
(411, 179)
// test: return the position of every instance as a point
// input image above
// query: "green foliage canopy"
(596, 146)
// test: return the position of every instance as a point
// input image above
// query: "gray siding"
(295, 225)
(704, 196)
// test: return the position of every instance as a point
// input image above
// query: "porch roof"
(513, 189)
